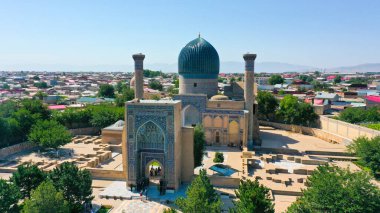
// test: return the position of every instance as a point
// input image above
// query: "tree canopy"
(200, 196)
(275, 79)
(332, 189)
(9, 196)
(155, 85)
(293, 112)
(106, 91)
(253, 197)
(27, 177)
(74, 183)
(46, 199)
(267, 104)
(199, 144)
(357, 115)
(49, 134)
(127, 94)
(368, 151)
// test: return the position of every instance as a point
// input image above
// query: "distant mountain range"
(225, 67)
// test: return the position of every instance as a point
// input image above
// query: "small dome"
(198, 59)
(219, 98)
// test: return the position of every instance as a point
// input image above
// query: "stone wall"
(345, 129)
(4, 152)
(85, 131)
(319, 133)
(227, 182)
(107, 174)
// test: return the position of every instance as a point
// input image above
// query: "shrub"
(219, 158)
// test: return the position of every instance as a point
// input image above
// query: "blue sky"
(320, 33)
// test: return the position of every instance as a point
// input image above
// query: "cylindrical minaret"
(139, 75)
(249, 96)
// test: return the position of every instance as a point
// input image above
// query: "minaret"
(139, 75)
(249, 96)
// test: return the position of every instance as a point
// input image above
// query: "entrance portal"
(154, 170)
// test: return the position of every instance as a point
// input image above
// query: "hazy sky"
(320, 33)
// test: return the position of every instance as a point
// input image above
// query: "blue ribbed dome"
(198, 59)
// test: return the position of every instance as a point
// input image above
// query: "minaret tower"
(250, 105)
(139, 75)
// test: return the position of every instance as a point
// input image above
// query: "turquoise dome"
(198, 59)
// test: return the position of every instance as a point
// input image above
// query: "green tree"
(357, 115)
(40, 95)
(36, 107)
(119, 87)
(49, 134)
(4, 132)
(41, 85)
(332, 189)
(199, 144)
(176, 83)
(337, 79)
(368, 151)
(46, 199)
(172, 90)
(9, 196)
(74, 183)
(253, 197)
(155, 85)
(267, 103)
(293, 112)
(219, 157)
(106, 91)
(200, 196)
(127, 94)
(23, 121)
(275, 79)
(7, 108)
(27, 177)
(6, 86)
(232, 80)
(105, 115)
(151, 73)
(169, 210)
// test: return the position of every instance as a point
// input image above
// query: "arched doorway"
(190, 116)
(154, 170)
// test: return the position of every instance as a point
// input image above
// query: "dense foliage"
(368, 151)
(218, 158)
(152, 73)
(46, 199)
(199, 145)
(155, 85)
(291, 111)
(9, 196)
(74, 183)
(267, 104)
(253, 197)
(275, 79)
(375, 126)
(200, 196)
(125, 94)
(17, 118)
(27, 177)
(49, 134)
(100, 116)
(357, 115)
(332, 189)
(106, 91)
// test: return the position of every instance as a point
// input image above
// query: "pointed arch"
(150, 136)
(190, 116)
(233, 132)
